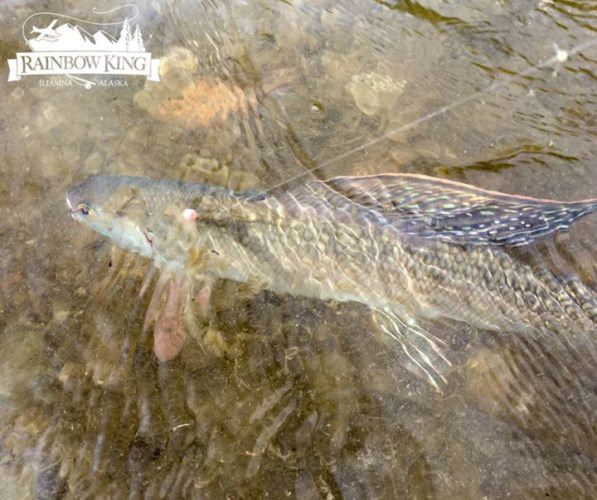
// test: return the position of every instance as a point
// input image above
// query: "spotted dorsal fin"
(459, 213)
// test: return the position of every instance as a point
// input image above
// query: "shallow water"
(285, 396)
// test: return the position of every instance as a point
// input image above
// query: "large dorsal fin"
(459, 213)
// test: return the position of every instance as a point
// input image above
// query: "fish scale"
(353, 239)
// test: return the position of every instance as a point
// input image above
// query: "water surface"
(283, 396)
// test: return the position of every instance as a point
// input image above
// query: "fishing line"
(560, 57)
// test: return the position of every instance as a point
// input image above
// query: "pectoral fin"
(169, 333)
(166, 313)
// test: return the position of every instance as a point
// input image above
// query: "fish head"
(114, 207)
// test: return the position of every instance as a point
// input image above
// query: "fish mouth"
(73, 211)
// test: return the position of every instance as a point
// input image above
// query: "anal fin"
(424, 351)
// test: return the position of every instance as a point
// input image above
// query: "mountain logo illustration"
(67, 37)
(60, 46)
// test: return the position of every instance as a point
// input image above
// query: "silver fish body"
(350, 239)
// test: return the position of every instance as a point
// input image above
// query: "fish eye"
(84, 208)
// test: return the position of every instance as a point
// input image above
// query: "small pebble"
(17, 93)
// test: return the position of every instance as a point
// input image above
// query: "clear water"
(283, 396)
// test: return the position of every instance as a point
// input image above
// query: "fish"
(410, 247)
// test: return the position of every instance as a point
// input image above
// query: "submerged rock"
(373, 92)
(187, 100)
